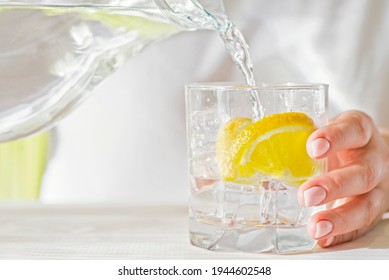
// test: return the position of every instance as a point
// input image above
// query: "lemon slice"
(273, 147)
(226, 137)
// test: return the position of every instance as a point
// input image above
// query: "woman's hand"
(357, 184)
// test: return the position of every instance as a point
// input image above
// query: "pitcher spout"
(195, 14)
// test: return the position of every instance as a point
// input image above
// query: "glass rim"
(261, 86)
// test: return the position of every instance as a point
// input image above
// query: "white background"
(127, 142)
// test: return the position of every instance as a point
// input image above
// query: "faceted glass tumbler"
(259, 216)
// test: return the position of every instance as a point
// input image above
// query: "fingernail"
(329, 241)
(313, 196)
(318, 147)
(323, 228)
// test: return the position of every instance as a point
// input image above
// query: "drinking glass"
(240, 140)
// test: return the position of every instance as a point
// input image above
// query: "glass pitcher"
(54, 52)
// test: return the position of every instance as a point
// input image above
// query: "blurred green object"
(22, 165)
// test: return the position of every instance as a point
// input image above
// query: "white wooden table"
(45, 232)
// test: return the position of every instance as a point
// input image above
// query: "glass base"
(258, 240)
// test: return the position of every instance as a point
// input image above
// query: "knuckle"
(337, 135)
(362, 123)
(342, 221)
(354, 234)
(346, 237)
(372, 210)
(369, 174)
(336, 183)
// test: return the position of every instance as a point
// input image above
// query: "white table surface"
(78, 232)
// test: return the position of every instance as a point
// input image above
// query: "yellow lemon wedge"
(273, 147)
(226, 137)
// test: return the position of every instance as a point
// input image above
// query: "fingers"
(333, 240)
(362, 169)
(350, 130)
(347, 221)
(357, 178)
(360, 159)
